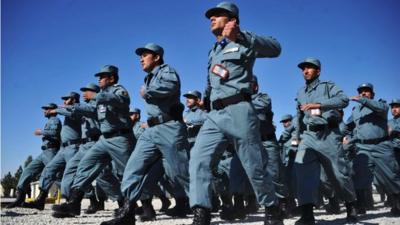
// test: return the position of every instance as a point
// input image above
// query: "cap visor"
(211, 12)
(190, 95)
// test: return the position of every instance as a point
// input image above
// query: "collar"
(312, 85)
(194, 108)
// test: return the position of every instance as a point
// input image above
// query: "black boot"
(148, 211)
(165, 203)
(273, 216)
(39, 202)
(226, 212)
(360, 206)
(252, 205)
(333, 206)
(239, 211)
(351, 212)
(215, 202)
(94, 205)
(395, 211)
(71, 208)
(369, 199)
(202, 216)
(307, 215)
(19, 200)
(181, 208)
(125, 217)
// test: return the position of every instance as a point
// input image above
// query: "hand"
(345, 141)
(231, 30)
(142, 90)
(143, 125)
(38, 132)
(310, 106)
(355, 98)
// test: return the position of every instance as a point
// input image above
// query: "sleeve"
(66, 111)
(87, 110)
(262, 46)
(336, 100)
(119, 97)
(166, 85)
(299, 128)
(376, 106)
(286, 134)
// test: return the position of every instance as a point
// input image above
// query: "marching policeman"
(232, 117)
(318, 124)
(115, 143)
(90, 135)
(165, 138)
(138, 129)
(50, 145)
(70, 140)
(194, 117)
(375, 157)
(394, 128)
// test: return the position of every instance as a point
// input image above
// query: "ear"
(233, 19)
(157, 57)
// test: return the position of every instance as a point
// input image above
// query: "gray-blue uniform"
(164, 138)
(194, 119)
(288, 153)
(70, 139)
(375, 157)
(394, 128)
(232, 118)
(137, 130)
(319, 145)
(90, 135)
(116, 141)
(50, 146)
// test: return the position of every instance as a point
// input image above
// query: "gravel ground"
(381, 215)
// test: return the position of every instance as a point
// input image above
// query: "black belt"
(51, 145)
(116, 133)
(372, 141)
(152, 121)
(321, 127)
(193, 130)
(90, 139)
(72, 142)
(268, 137)
(234, 99)
(316, 128)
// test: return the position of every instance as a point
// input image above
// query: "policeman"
(165, 136)
(232, 117)
(394, 128)
(90, 135)
(71, 138)
(375, 157)
(138, 128)
(318, 123)
(194, 117)
(115, 142)
(288, 155)
(50, 145)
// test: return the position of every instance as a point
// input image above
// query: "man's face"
(69, 101)
(396, 110)
(135, 117)
(88, 95)
(191, 102)
(286, 123)
(310, 72)
(218, 22)
(149, 61)
(105, 81)
(365, 92)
